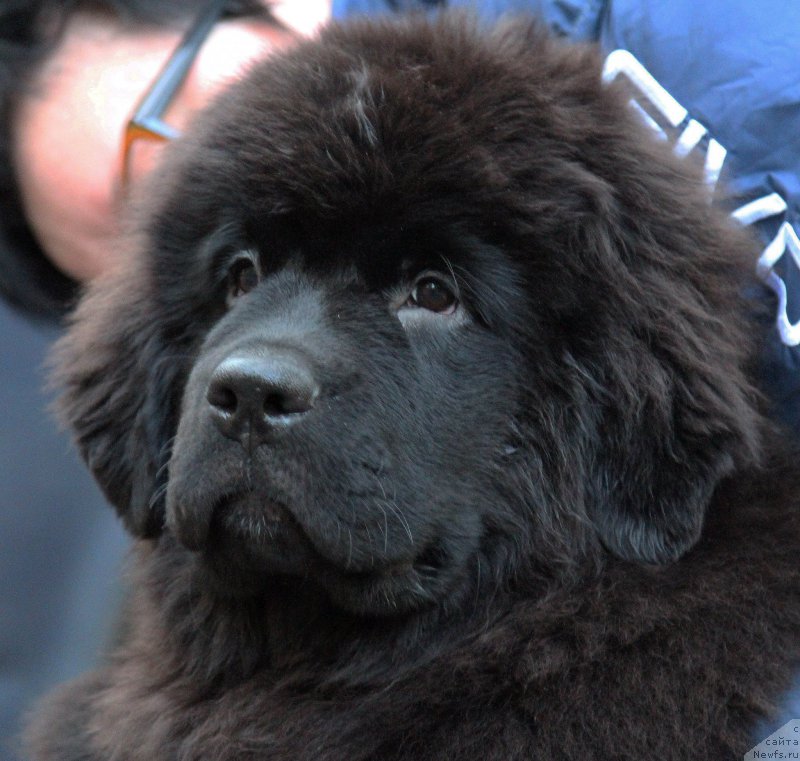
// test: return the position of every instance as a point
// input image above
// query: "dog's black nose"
(251, 395)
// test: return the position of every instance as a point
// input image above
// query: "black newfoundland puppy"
(428, 401)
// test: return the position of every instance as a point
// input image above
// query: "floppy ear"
(677, 413)
(117, 397)
(655, 483)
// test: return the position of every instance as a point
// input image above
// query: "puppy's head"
(418, 306)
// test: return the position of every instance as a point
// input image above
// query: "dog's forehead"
(353, 126)
(416, 143)
(378, 253)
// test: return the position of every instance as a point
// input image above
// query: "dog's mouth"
(251, 515)
(257, 535)
(251, 539)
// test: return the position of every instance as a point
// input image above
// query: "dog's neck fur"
(724, 618)
(290, 630)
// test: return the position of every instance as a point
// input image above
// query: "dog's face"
(345, 414)
(418, 309)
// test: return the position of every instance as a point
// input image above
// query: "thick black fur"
(548, 522)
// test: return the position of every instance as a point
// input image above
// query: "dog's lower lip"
(251, 509)
(400, 569)
(250, 517)
(274, 512)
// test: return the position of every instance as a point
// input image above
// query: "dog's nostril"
(288, 402)
(223, 398)
(276, 404)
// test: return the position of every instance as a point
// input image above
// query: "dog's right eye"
(433, 294)
(243, 277)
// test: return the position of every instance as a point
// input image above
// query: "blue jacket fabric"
(735, 66)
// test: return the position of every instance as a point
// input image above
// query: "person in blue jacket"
(721, 78)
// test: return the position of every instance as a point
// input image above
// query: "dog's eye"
(432, 294)
(243, 276)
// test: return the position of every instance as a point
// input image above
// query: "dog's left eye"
(243, 277)
(433, 294)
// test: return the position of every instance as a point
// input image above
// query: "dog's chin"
(257, 537)
(253, 542)
(390, 591)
